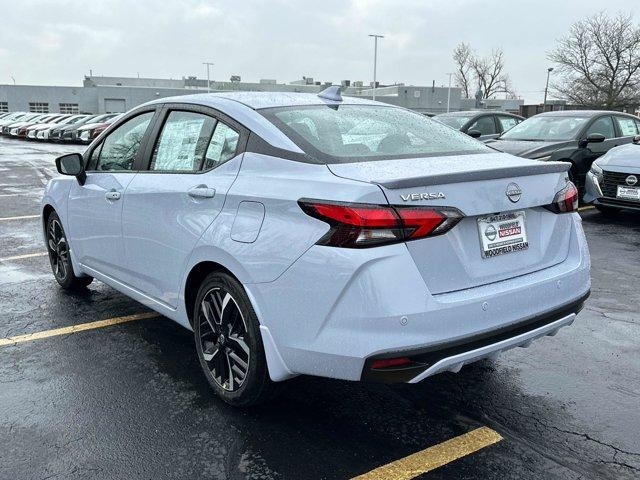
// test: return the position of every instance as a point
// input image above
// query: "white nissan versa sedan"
(311, 234)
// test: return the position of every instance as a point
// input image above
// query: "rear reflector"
(359, 225)
(390, 362)
(566, 200)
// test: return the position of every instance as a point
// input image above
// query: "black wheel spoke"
(223, 339)
(209, 316)
(239, 341)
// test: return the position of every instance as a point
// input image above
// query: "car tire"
(607, 211)
(60, 258)
(229, 344)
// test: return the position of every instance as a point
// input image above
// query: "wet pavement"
(129, 400)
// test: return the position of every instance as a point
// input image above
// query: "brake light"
(390, 362)
(566, 200)
(358, 225)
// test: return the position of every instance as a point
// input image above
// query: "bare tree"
(599, 62)
(489, 73)
(463, 57)
(484, 73)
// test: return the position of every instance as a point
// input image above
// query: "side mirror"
(72, 164)
(636, 139)
(474, 133)
(592, 138)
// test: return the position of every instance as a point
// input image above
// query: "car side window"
(507, 122)
(485, 125)
(183, 142)
(627, 126)
(222, 147)
(604, 126)
(119, 149)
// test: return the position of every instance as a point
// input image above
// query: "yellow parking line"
(588, 207)
(21, 217)
(75, 328)
(20, 257)
(434, 457)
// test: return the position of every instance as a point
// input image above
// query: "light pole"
(375, 61)
(546, 88)
(208, 64)
(449, 92)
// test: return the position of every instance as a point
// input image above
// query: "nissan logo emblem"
(513, 192)
(491, 233)
(632, 180)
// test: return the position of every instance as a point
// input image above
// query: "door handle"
(112, 195)
(202, 191)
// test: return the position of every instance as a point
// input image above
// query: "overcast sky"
(56, 42)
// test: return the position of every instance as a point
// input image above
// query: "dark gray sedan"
(574, 136)
(481, 124)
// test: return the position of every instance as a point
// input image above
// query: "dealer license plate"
(502, 233)
(628, 193)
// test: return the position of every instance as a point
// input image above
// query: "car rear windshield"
(547, 128)
(358, 133)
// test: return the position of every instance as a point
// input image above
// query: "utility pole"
(546, 88)
(208, 64)
(375, 61)
(449, 92)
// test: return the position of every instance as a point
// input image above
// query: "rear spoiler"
(477, 175)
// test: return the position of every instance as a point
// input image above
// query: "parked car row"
(55, 127)
(578, 137)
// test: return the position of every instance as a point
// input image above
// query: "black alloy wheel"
(59, 256)
(229, 343)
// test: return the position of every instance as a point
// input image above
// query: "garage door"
(114, 105)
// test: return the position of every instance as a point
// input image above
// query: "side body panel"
(162, 222)
(94, 224)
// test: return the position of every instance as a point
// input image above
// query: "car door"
(486, 125)
(95, 208)
(626, 129)
(190, 166)
(604, 126)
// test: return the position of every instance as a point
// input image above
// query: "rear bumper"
(453, 356)
(345, 308)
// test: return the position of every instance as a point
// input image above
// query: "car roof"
(260, 100)
(477, 113)
(581, 113)
(463, 113)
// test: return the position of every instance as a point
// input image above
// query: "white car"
(292, 241)
(613, 183)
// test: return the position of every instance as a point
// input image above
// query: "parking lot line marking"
(588, 207)
(28, 337)
(434, 457)
(20, 257)
(21, 217)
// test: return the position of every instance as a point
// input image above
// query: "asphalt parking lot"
(125, 398)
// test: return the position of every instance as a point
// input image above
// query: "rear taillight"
(359, 225)
(566, 200)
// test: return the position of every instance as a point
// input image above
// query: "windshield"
(455, 121)
(356, 133)
(546, 128)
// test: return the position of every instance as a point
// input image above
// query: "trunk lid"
(476, 185)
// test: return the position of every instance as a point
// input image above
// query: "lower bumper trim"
(452, 356)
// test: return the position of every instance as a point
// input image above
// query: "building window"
(38, 107)
(4, 107)
(69, 108)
